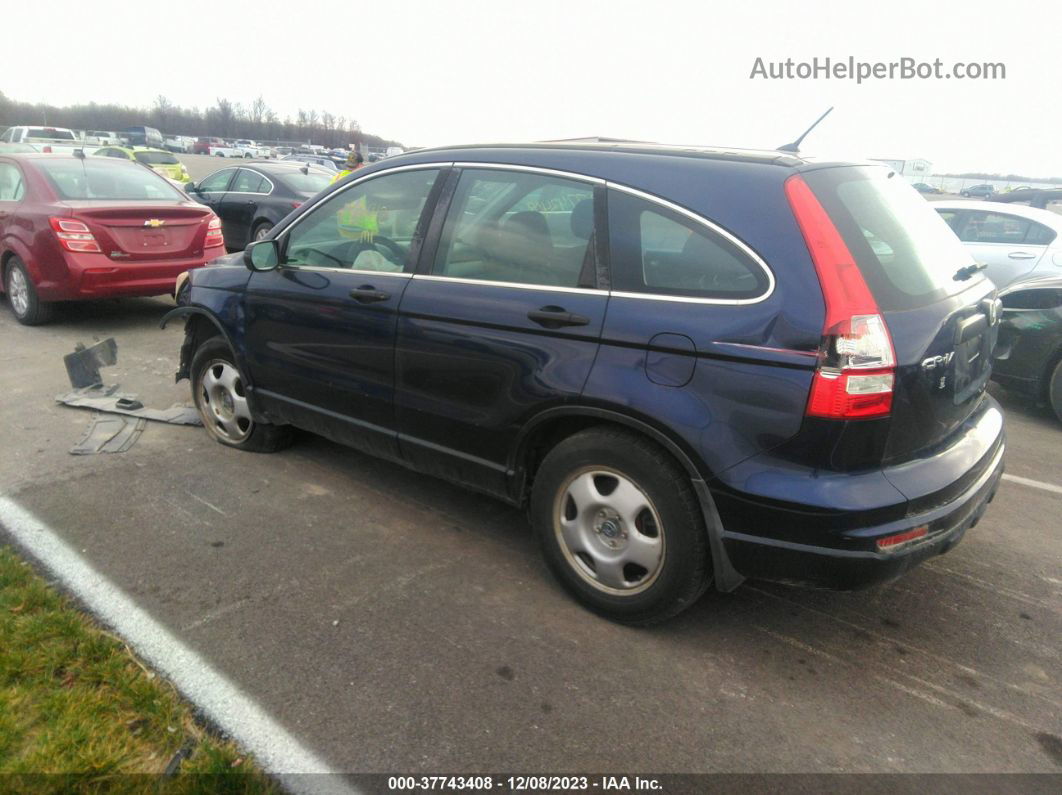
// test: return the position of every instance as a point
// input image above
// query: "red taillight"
(891, 543)
(74, 235)
(46, 150)
(214, 235)
(856, 374)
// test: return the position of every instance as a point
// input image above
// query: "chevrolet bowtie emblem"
(154, 223)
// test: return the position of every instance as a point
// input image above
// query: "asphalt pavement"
(394, 623)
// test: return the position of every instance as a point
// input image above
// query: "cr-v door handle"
(367, 294)
(556, 317)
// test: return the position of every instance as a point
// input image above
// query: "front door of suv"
(501, 321)
(321, 326)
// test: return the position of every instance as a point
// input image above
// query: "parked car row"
(61, 140)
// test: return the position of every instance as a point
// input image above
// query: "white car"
(178, 143)
(1012, 240)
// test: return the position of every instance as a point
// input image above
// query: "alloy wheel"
(609, 531)
(223, 402)
(18, 291)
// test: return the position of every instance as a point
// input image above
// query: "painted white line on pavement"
(1036, 484)
(278, 752)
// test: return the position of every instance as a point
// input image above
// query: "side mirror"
(190, 187)
(262, 255)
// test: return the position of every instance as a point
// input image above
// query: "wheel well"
(548, 434)
(5, 258)
(197, 330)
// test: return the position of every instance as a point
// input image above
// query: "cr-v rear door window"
(659, 251)
(907, 253)
(519, 227)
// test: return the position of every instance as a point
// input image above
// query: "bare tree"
(224, 113)
(259, 110)
(162, 112)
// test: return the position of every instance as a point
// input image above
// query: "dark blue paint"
(456, 380)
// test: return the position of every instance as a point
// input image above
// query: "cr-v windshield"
(907, 253)
(106, 180)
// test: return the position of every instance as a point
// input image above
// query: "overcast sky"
(429, 73)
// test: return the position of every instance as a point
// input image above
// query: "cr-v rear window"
(907, 253)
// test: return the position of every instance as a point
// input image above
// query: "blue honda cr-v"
(692, 365)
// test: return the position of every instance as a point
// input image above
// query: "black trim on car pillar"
(727, 578)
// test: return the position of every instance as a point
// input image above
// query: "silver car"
(1013, 241)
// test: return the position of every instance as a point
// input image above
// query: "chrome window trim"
(321, 199)
(553, 288)
(713, 227)
(682, 299)
(324, 269)
(532, 169)
(227, 168)
(272, 185)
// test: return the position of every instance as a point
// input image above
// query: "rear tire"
(620, 526)
(218, 391)
(261, 229)
(26, 306)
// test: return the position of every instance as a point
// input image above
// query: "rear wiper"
(962, 274)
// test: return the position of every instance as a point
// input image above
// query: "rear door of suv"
(502, 319)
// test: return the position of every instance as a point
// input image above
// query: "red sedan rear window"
(105, 180)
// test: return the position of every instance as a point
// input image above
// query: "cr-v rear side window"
(907, 253)
(659, 251)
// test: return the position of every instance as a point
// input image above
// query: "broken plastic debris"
(106, 399)
(83, 365)
(109, 433)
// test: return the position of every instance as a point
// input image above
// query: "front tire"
(22, 296)
(620, 526)
(220, 397)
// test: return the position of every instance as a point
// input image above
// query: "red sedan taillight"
(214, 236)
(74, 236)
(857, 363)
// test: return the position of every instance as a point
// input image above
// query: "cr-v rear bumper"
(849, 558)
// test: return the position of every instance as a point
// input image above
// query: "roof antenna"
(795, 146)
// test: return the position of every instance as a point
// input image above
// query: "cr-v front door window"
(526, 228)
(369, 226)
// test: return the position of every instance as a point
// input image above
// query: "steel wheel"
(609, 531)
(18, 291)
(222, 402)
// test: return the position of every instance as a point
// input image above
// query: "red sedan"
(74, 228)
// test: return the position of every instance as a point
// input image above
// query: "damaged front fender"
(200, 325)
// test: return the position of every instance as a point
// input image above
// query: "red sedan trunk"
(79, 228)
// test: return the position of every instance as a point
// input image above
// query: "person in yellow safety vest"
(358, 221)
(354, 162)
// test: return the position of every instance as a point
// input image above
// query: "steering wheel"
(392, 252)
